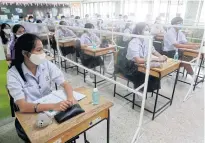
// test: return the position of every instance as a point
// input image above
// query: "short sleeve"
(153, 49)
(133, 50)
(171, 38)
(56, 74)
(14, 86)
(82, 39)
(182, 38)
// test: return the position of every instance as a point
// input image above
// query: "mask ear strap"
(25, 53)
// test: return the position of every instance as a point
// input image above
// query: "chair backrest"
(158, 45)
(13, 106)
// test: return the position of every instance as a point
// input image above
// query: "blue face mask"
(179, 28)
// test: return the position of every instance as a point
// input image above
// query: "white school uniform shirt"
(138, 48)
(87, 40)
(157, 29)
(2, 53)
(172, 37)
(127, 31)
(36, 86)
(65, 32)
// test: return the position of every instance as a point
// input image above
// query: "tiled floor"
(183, 122)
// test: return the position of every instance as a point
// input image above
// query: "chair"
(117, 74)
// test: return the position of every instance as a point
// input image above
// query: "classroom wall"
(39, 10)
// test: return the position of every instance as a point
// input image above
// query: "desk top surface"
(195, 51)
(166, 68)
(111, 47)
(44, 134)
(68, 39)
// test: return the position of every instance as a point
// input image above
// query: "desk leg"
(157, 94)
(95, 79)
(175, 83)
(195, 83)
(108, 127)
(103, 64)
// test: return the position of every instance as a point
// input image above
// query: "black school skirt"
(138, 78)
(67, 50)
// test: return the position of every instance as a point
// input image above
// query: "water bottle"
(176, 55)
(94, 45)
(95, 96)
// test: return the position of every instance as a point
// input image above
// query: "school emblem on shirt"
(47, 78)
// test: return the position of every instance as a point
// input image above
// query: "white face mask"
(38, 59)
(31, 20)
(19, 35)
(146, 33)
(7, 31)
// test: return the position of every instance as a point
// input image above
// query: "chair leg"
(114, 86)
(84, 75)
(133, 101)
(85, 138)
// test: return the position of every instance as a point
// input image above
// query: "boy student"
(174, 40)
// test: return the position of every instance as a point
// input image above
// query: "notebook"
(55, 97)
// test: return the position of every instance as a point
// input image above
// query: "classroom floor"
(183, 122)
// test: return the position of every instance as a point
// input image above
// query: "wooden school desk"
(96, 53)
(168, 67)
(59, 133)
(194, 54)
(67, 43)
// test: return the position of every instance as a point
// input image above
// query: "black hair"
(62, 22)
(26, 42)
(38, 21)
(62, 16)
(77, 17)
(176, 20)
(30, 17)
(87, 15)
(21, 16)
(2, 33)
(128, 24)
(139, 27)
(120, 14)
(89, 26)
(16, 28)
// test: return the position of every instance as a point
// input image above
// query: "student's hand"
(72, 101)
(196, 46)
(62, 106)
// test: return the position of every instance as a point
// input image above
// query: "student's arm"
(139, 60)
(186, 46)
(16, 91)
(69, 91)
(57, 76)
(26, 107)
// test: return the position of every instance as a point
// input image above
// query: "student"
(125, 18)
(30, 78)
(63, 18)
(137, 52)
(174, 39)
(31, 19)
(5, 32)
(78, 22)
(127, 30)
(18, 30)
(157, 28)
(89, 39)
(100, 25)
(64, 31)
(38, 21)
(86, 19)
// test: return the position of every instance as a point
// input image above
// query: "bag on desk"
(69, 113)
